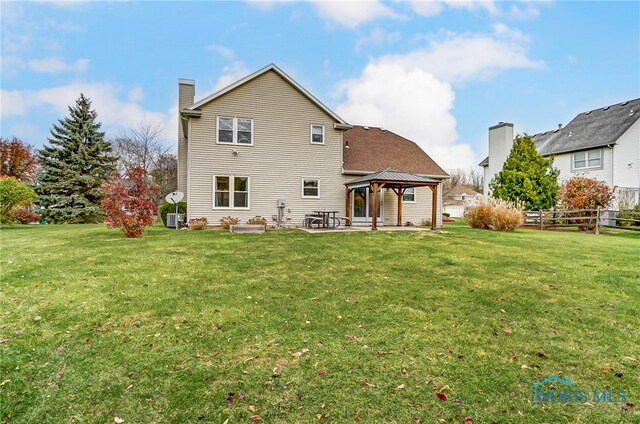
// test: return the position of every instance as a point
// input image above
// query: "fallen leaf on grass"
(401, 386)
(59, 375)
(468, 420)
(37, 318)
(230, 400)
(255, 418)
(4, 340)
(605, 370)
(542, 355)
(118, 420)
(5, 382)
(322, 372)
(445, 387)
(507, 330)
(252, 409)
(441, 396)
(365, 383)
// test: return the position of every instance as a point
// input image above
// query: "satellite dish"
(174, 197)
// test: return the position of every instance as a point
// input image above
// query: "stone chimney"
(186, 95)
(500, 143)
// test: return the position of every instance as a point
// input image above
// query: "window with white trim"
(409, 195)
(588, 159)
(233, 130)
(311, 187)
(317, 134)
(230, 192)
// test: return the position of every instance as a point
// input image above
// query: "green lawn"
(315, 327)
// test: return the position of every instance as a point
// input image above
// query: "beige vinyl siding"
(280, 157)
(413, 212)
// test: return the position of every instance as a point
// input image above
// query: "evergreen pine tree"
(527, 177)
(74, 166)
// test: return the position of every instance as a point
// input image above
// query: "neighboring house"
(265, 138)
(602, 144)
(457, 199)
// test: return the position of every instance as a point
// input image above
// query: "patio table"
(326, 214)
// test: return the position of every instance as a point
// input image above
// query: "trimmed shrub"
(23, 216)
(257, 220)
(495, 214)
(629, 214)
(447, 214)
(198, 223)
(228, 221)
(167, 208)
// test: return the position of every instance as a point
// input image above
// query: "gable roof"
(588, 130)
(283, 75)
(596, 128)
(370, 149)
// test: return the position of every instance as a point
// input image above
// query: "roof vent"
(606, 108)
(586, 113)
(624, 104)
(346, 144)
(570, 133)
(382, 129)
(631, 113)
(366, 128)
(559, 126)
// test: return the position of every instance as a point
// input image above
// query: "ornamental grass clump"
(495, 214)
(198, 223)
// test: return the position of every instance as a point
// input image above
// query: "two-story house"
(265, 141)
(602, 143)
(456, 200)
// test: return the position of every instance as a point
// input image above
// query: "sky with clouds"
(437, 72)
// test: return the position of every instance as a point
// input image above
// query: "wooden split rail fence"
(585, 218)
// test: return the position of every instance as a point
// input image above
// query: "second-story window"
(588, 159)
(232, 130)
(317, 134)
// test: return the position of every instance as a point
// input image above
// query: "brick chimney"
(186, 95)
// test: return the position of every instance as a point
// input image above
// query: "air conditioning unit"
(173, 219)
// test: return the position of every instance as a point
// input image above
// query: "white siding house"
(602, 143)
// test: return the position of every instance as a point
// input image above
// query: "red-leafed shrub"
(585, 193)
(128, 203)
(24, 216)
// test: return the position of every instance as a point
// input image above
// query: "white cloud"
(378, 37)
(55, 65)
(468, 57)
(413, 94)
(232, 72)
(353, 13)
(114, 112)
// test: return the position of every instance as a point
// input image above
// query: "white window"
(233, 130)
(230, 192)
(317, 134)
(588, 159)
(311, 187)
(409, 195)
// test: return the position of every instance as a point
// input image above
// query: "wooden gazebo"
(398, 181)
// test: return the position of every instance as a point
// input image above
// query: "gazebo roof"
(393, 179)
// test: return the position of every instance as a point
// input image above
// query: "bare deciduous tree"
(472, 177)
(141, 147)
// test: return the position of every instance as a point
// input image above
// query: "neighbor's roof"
(370, 149)
(397, 178)
(281, 73)
(588, 130)
(461, 190)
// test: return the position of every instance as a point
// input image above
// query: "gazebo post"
(374, 222)
(400, 193)
(434, 206)
(348, 204)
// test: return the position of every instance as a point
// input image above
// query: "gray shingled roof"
(392, 175)
(588, 130)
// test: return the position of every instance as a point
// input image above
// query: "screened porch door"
(363, 207)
